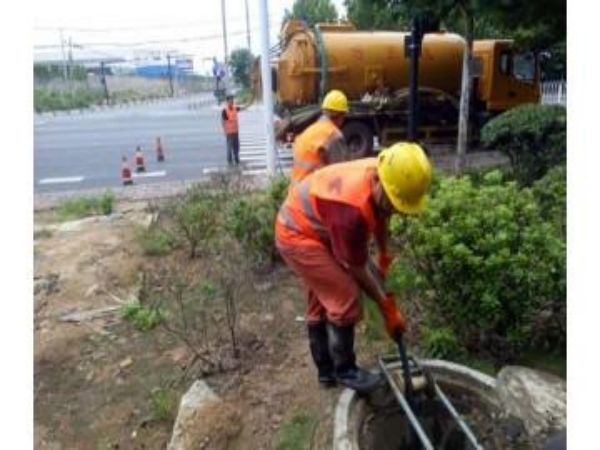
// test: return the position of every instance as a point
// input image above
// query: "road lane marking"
(158, 173)
(61, 180)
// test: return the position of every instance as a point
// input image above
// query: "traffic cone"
(160, 153)
(126, 175)
(139, 160)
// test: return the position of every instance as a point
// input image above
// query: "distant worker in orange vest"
(139, 160)
(160, 152)
(322, 231)
(229, 120)
(126, 175)
(322, 143)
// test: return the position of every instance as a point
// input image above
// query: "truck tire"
(359, 137)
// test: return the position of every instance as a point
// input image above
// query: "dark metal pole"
(413, 104)
(170, 75)
(103, 81)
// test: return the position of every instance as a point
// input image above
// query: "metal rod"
(457, 417)
(407, 409)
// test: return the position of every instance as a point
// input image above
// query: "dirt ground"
(94, 372)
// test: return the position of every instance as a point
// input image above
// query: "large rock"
(204, 421)
(537, 398)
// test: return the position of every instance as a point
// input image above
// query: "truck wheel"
(359, 138)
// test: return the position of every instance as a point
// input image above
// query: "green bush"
(490, 268)
(143, 318)
(87, 206)
(156, 241)
(532, 136)
(252, 221)
(441, 342)
(53, 100)
(551, 195)
(197, 218)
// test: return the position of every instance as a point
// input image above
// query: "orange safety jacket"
(231, 124)
(298, 221)
(308, 147)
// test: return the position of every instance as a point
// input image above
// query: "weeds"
(143, 318)
(156, 241)
(163, 403)
(296, 433)
(44, 233)
(87, 206)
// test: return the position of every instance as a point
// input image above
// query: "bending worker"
(322, 143)
(322, 232)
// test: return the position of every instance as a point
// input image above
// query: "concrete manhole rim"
(344, 435)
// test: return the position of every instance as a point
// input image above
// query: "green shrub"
(87, 206)
(532, 136)
(441, 342)
(551, 195)
(143, 318)
(490, 267)
(252, 220)
(53, 100)
(156, 241)
(197, 218)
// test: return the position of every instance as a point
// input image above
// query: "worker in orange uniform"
(140, 166)
(229, 121)
(322, 232)
(322, 143)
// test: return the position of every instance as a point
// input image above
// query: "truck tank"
(359, 62)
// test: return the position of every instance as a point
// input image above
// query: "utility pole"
(170, 74)
(70, 66)
(248, 26)
(103, 81)
(225, 51)
(64, 57)
(267, 84)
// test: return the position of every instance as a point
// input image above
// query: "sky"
(118, 27)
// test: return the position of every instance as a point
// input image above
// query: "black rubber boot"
(347, 373)
(319, 349)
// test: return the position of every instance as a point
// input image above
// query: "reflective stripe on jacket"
(308, 145)
(349, 183)
(231, 124)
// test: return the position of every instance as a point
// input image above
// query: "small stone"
(91, 290)
(126, 363)
(90, 376)
(134, 434)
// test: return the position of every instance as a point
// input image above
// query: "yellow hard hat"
(335, 101)
(405, 173)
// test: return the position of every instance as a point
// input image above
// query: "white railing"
(554, 93)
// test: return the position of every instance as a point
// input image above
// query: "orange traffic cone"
(126, 175)
(160, 153)
(139, 160)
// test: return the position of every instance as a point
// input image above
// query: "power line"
(150, 42)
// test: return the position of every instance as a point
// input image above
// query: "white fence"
(554, 93)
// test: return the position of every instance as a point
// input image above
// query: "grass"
(296, 433)
(54, 100)
(157, 242)
(375, 329)
(88, 206)
(163, 403)
(142, 318)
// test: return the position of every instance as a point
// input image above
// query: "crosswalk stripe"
(61, 180)
(158, 173)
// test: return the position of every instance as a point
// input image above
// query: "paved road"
(83, 150)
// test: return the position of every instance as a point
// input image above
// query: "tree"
(241, 60)
(377, 15)
(312, 11)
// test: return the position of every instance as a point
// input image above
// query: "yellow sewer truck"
(372, 69)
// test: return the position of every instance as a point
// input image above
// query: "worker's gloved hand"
(384, 261)
(395, 323)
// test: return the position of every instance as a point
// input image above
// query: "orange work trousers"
(331, 292)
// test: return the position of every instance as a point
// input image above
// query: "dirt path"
(94, 372)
